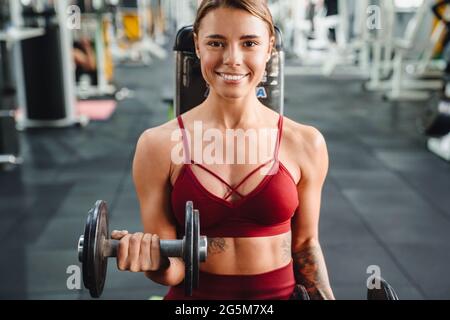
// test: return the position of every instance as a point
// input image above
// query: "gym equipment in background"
(43, 67)
(435, 121)
(9, 140)
(11, 34)
(96, 29)
(133, 42)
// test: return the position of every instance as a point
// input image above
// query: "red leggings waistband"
(277, 284)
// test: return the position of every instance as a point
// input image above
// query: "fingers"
(144, 255)
(155, 253)
(134, 251)
(117, 235)
(138, 252)
(122, 253)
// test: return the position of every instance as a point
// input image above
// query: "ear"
(197, 50)
(271, 47)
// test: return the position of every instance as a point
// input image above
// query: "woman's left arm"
(309, 264)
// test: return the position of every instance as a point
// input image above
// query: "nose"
(232, 56)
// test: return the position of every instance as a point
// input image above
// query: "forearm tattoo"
(310, 271)
(286, 248)
(216, 245)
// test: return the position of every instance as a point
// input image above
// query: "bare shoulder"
(159, 139)
(154, 147)
(162, 139)
(303, 138)
(307, 146)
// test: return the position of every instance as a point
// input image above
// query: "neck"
(232, 113)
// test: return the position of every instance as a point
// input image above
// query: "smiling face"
(234, 47)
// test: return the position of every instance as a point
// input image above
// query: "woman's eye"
(215, 44)
(218, 44)
(250, 43)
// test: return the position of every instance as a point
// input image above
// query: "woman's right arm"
(151, 174)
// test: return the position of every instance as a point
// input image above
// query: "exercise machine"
(96, 22)
(43, 66)
(435, 122)
(133, 24)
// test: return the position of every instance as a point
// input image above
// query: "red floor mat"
(96, 109)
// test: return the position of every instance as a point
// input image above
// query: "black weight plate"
(99, 262)
(89, 249)
(86, 246)
(91, 263)
(196, 250)
(188, 248)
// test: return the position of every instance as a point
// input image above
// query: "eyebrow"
(245, 37)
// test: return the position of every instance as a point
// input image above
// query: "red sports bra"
(265, 211)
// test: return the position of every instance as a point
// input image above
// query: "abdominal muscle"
(247, 256)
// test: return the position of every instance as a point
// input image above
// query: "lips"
(233, 77)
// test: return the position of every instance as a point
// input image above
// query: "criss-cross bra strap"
(215, 175)
(232, 190)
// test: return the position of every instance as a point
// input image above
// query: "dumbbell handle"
(169, 248)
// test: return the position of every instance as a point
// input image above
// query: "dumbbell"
(95, 247)
(384, 292)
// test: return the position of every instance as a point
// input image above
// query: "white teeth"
(232, 77)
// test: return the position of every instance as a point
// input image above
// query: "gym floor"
(385, 201)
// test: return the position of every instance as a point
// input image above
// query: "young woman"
(261, 219)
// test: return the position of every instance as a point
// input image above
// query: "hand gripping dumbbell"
(96, 246)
